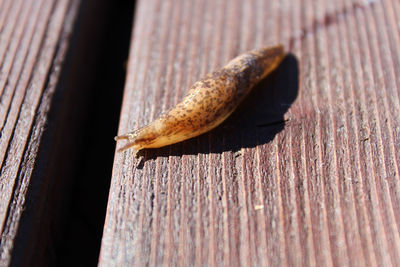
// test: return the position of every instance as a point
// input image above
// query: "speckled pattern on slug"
(209, 101)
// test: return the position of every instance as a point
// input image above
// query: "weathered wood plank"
(44, 77)
(323, 188)
(33, 44)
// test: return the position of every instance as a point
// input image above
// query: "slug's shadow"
(255, 122)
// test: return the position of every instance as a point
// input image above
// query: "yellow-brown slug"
(208, 102)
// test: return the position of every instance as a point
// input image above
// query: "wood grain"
(34, 39)
(305, 173)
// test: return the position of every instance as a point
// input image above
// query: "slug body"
(208, 102)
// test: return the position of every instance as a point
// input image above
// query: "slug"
(208, 102)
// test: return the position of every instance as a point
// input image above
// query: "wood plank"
(322, 188)
(31, 54)
(44, 77)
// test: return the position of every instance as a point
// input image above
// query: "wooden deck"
(304, 173)
(54, 93)
(33, 46)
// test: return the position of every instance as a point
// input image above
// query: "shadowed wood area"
(33, 45)
(46, 67)
(304, 173)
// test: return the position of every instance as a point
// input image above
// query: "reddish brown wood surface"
(33, 42)
(321, 189)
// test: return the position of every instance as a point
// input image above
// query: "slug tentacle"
(128, 137)
(209, 101)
